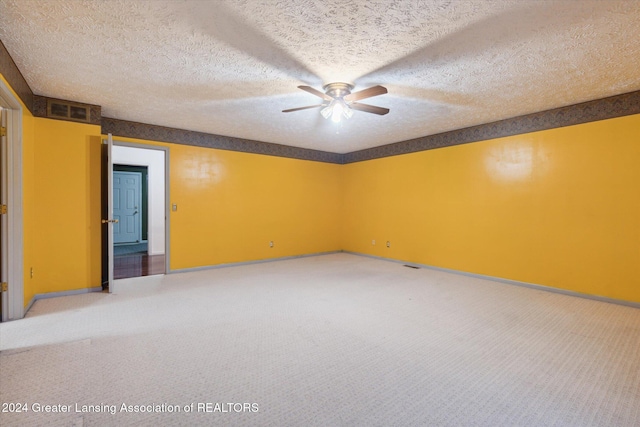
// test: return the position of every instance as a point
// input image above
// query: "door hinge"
(3, 209)
(3, 131)
(5, 286)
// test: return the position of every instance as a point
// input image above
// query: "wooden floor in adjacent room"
(331, 340)
(137, 265)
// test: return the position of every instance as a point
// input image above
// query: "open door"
(107, 214)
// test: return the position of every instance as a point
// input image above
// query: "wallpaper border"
(14, 77)
(601, 109)
(124, 128)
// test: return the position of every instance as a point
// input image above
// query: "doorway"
(11, 217)
(139, 218)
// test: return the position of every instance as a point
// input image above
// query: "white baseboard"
(36, 297)
(259, 261)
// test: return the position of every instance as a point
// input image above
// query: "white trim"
(15, 235)
(508, 281)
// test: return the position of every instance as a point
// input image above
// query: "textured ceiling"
(230, 67)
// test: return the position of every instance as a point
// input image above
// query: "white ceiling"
(229, 67)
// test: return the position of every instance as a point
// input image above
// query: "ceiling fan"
(340, 102)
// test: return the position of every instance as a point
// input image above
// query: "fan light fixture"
(336, 110)
(339, 102)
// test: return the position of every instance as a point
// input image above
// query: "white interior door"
(107, 214)
(127, 204)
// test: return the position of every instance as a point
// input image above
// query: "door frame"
(13, 300)
(167, 203)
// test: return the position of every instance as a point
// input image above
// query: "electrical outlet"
(174, 207)
(271, 244)
(388, 244)
(31, 272)
(373, 242)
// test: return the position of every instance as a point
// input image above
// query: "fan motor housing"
(337, 90)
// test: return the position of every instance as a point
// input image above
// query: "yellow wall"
(66, 229)
(557, 208)
(231, 205)
(28, 201)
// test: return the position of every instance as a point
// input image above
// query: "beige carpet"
(333, 340)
